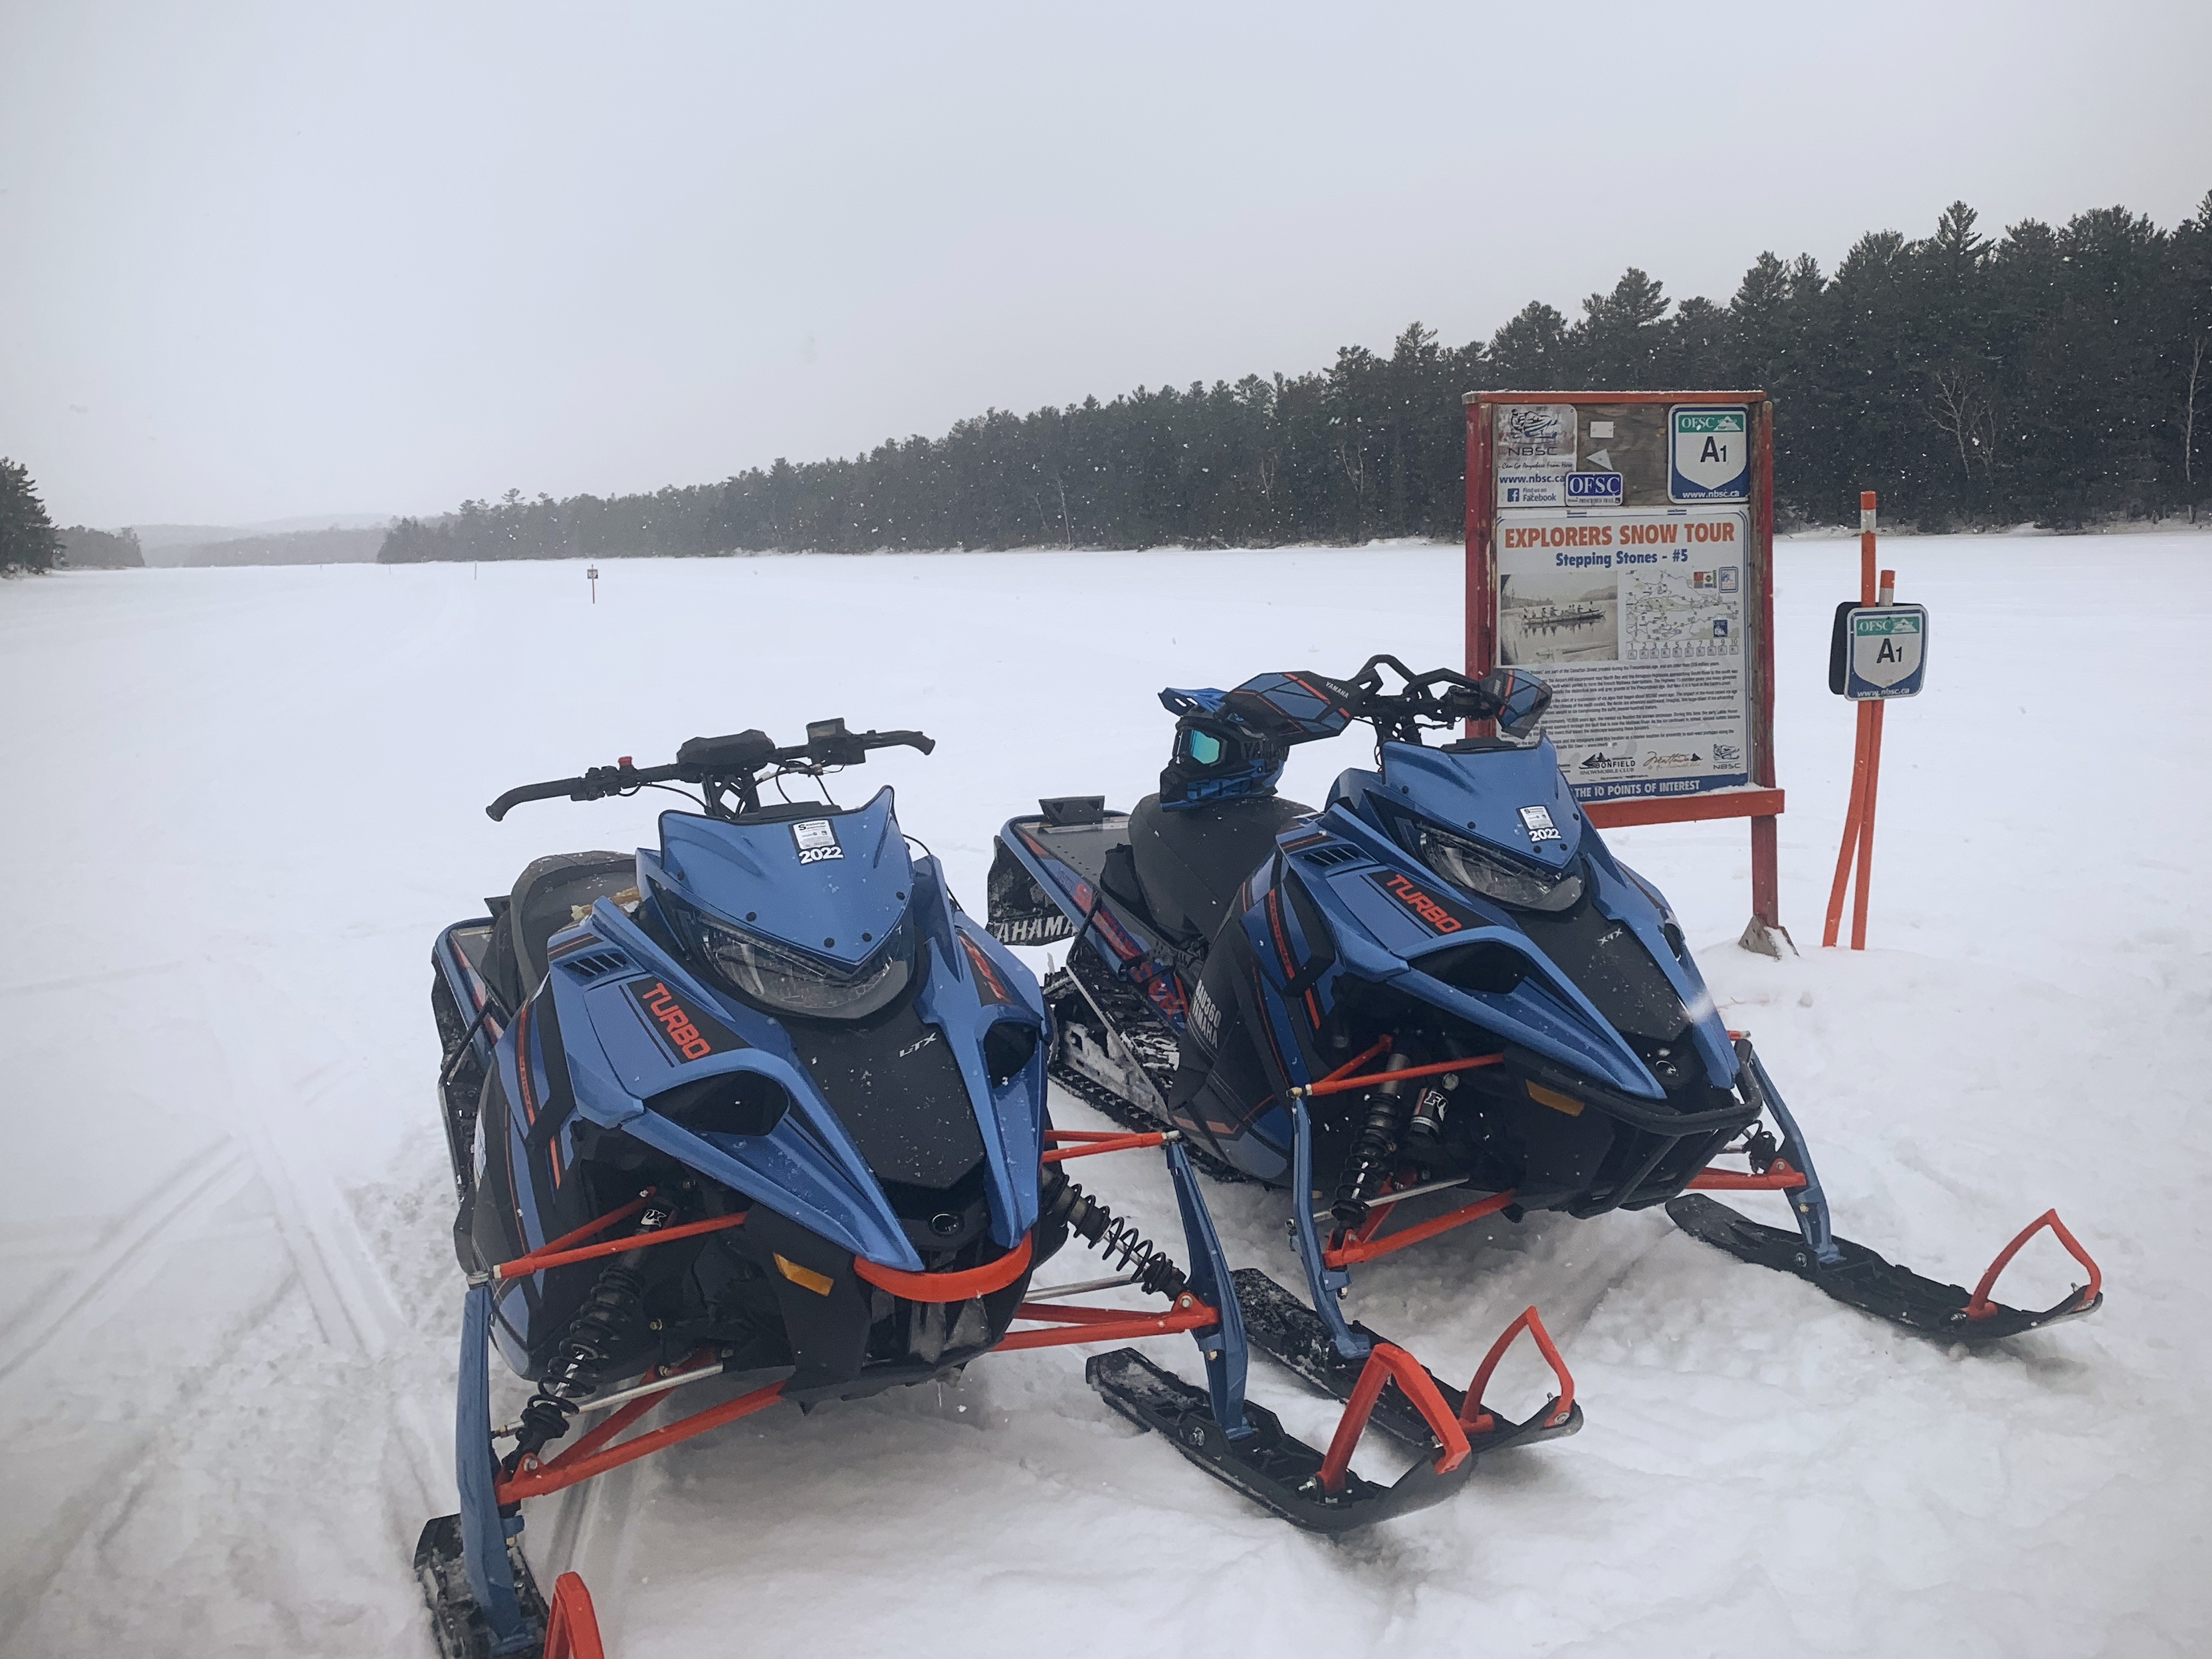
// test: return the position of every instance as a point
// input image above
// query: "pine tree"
(28, 540)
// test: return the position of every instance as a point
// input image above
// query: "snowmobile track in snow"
(206, 1181)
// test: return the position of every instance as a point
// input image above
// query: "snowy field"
(242, 801)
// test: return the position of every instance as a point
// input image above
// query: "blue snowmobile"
(760, 1112)
(1438, 998)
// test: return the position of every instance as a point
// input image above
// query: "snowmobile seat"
(544, 901)
(1190, 861)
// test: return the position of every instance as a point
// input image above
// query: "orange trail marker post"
(1867, 505)
(1879, 650)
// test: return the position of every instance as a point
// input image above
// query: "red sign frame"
(1762, 801)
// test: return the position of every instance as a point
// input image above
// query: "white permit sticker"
(1537, 821)
(818, 840)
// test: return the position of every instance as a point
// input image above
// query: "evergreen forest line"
(2059, 376)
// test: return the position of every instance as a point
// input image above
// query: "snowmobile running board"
(484, 1603)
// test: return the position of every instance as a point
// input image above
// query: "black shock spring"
(1374, 1150)
(1117, 1239)
(605, 1326)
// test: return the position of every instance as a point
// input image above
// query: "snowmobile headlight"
(1509, 881)
(793, 982)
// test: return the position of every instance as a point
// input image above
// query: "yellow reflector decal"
(1542, 1096)
(820, 1284)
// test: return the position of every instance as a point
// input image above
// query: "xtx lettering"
(1422, 905)
(683, 1035)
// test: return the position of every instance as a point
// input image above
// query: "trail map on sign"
(1636, 617)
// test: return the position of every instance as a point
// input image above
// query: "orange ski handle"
(1980, 1306)
(1387, 1363)
(1477, 1417)
(571, 1623)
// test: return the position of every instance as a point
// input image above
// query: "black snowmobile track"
(1291, 1334)
(1866, 1281)
(455, 1618)
(1271, 1467)
(1059, 987)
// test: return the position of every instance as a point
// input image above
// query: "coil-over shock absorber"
(603, 1328)
(1061, 1201)
(1375, 1150)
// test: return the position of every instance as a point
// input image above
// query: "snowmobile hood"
(1516, 800)
(833, 884)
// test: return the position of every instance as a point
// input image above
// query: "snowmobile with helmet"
(759, 1114)
(1438, 998)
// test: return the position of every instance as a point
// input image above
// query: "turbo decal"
(1437, 915)
(685, 1032)
(990, 987)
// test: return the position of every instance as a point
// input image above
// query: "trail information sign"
(1878, 651)
(1619, 544)
(1710, 459)
(1636, 617)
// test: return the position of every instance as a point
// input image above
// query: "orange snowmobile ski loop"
(1980, 1307)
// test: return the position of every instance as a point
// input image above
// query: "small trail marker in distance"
(592, 575)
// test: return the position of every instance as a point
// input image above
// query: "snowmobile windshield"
(785, 980)
(1468, 864)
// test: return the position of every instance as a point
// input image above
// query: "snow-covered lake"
(241, 802)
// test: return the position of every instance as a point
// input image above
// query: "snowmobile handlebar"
(1444, 697)
(718, 764)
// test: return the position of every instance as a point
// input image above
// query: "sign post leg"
(1873, 712)
(1851, 817)
(1858, 816)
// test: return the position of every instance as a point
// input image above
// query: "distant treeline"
(101, 549)
(2054, 376)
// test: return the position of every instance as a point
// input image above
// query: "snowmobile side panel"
(1073, 865)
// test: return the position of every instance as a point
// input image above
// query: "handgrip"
(558, 789)
(897, 740)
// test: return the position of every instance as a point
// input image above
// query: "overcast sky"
(266, 261)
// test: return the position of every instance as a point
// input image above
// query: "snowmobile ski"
(1877, 1285)
(1272, 1466)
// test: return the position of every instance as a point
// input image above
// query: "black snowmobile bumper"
(1874, 1284)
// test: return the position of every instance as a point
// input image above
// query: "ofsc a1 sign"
(1878, 651)
(1709, 453)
